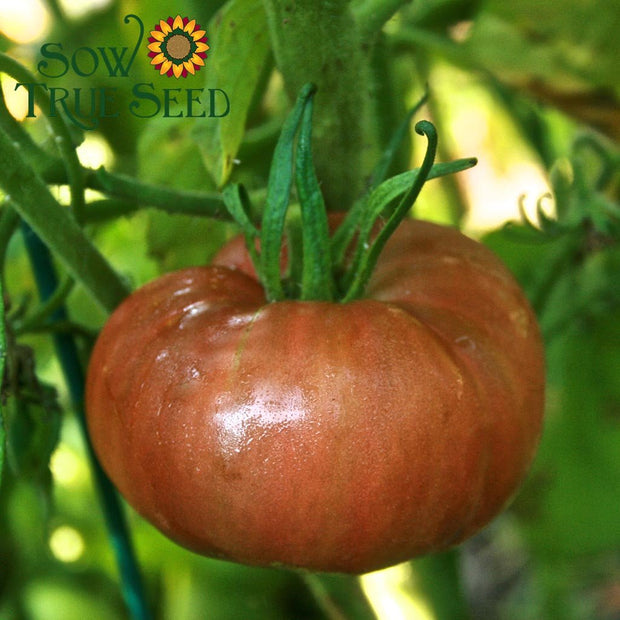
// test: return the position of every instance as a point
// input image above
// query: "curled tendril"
(543, 228)
(543, 222)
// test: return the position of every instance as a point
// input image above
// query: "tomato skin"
(334, 437)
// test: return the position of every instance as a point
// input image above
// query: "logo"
(177, 47)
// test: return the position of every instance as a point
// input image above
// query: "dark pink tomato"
(335, 437)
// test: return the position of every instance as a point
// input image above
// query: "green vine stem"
(48, 307)
(326, 33)
(31, 198)
(370, 15)
(209, 204)
(60, 130)
(9, 221)
(68, 356)
(127, 193)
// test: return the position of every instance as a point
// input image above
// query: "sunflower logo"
(177, 47)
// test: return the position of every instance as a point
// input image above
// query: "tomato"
(334, 437)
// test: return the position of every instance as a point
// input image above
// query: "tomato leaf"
(367, 252)
(34, 431)
(384, 163)
(235, 67)
(317, 279)
(390, 190)
(238, 205)
(578, 466)
(277, 201)
(177, 233)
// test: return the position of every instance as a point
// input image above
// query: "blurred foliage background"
(530, 88)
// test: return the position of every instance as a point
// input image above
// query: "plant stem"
(48, 307)
(319, 42)
(9, 221)
(31, 198)
(370, 15)
(340, 597)
(60, 130)
(68, 356)
(128, 194)
(172, 200)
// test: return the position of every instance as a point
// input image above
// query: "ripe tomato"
(335, 437)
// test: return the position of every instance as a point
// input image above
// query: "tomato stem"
(325, 268)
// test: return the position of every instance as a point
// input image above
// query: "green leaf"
(239, 52)
(34, 431)
(173, 238)
(565, 504)
(384, 194)
(277, 201)
(575, 43)
(317, 280)
(367, 251)
(568, 505)
(177, 241)
(380, 171)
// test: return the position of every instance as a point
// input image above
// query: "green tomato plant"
(322, 196)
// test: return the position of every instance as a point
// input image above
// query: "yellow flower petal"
(164, 27)
(165, 67)
(201, 47)
(178, 22)
(198, 34)
(190, 67)
(177, 70)
(158, 59)
(197, 60)
(190, 26)
(155, 47)
(157, 35)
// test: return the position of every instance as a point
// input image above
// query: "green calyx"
(320, 266)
